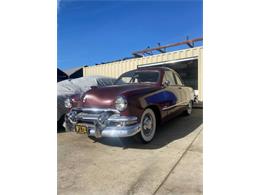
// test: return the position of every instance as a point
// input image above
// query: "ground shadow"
(172, 130)
(60, 129)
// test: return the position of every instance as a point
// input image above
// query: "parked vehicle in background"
(70, 89)
(135, 105)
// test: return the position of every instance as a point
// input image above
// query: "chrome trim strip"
(169, 107)
(88, 118)
(113, 117)
(126, 131)
(94, 110)
(118, 118)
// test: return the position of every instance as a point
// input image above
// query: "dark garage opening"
(188, 70)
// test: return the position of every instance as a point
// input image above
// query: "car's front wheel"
(148, 126)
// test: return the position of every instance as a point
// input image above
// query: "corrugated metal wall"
(115, 69)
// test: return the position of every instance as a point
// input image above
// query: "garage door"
(187, 69)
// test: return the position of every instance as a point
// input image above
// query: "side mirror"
(166, 83)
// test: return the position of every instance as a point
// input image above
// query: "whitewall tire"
(148, 126)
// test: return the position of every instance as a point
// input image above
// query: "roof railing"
(162, 49)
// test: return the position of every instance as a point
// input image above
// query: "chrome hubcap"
(147, 125)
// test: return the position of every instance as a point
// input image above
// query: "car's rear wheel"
(188, 110)
(148, 126)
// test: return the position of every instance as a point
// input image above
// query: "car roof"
(158, 68)
(154, 68)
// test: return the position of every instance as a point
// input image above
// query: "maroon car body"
(120, 110)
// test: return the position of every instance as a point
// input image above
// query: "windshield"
(138, 77)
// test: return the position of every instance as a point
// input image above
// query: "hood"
(104, 97)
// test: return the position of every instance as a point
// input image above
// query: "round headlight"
(120, 103)
(67, 103)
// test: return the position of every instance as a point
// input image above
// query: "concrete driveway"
(171, 164)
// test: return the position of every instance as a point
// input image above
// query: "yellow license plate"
(82, 129)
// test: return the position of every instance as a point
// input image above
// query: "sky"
(92, 32)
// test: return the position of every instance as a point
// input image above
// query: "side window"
(169, 77)
(178, 80)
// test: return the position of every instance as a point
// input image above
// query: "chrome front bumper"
(102, 122)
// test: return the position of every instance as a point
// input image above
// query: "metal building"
(188, 63)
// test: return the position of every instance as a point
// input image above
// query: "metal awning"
(167, 62)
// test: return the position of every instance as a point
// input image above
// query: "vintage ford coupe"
(135, 105)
